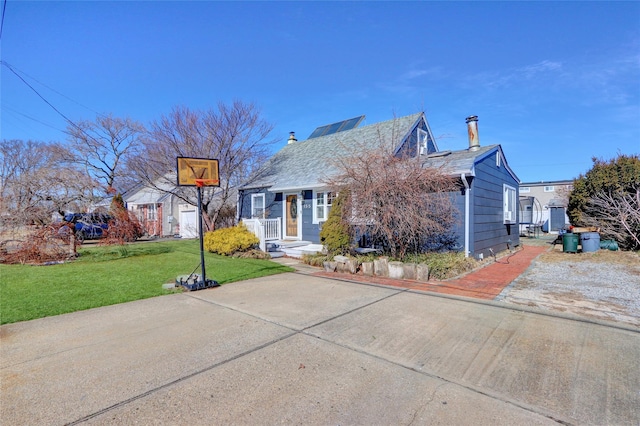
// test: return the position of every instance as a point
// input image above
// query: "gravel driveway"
(603, 284)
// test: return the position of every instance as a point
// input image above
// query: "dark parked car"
(88, 225)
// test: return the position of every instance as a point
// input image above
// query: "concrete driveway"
(300, 349)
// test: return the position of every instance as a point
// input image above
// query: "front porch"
(269, 232)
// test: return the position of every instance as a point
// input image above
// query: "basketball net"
(206, 182)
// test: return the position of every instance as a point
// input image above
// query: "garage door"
(188, 224)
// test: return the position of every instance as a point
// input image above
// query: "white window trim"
(525, 189)
(264, 208)
(152, 212)
(314, 206)
(550, 188)
(509, 215)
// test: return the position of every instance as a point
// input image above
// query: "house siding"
(457, 198)
(310, 230)
(488, 230)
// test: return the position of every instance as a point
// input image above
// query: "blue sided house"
(287, 201)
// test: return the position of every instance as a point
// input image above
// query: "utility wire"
(15, 70)
(53, 90)
(4, 9)
(16, 112)
(41, 97)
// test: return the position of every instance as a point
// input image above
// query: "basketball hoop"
(190, 170)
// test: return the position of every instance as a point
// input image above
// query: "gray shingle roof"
(458, 162)
(307, 163)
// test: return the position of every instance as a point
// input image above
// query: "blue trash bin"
(590, 241)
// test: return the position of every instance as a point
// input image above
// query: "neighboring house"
(164, 214)
(288, 201)
(545, 204)
(161, 213)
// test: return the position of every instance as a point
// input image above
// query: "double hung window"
(322, 202)
(509, 204)
(257, 206)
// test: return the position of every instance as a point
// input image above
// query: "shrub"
(227, 241)
(607, 197)
(336, 234)
(315, 259)
(444, 265)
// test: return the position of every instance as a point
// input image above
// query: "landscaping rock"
(367, 268)
(396, 270)
(422, 272)
(330, 266)
(381, 267)
(410, 271)
(352, 265)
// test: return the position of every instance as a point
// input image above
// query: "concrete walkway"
(302, 349)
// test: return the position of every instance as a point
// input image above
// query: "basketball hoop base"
(194, 282)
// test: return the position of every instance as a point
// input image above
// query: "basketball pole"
(197, 172)
(199, 191)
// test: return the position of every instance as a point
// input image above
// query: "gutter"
(466, 214)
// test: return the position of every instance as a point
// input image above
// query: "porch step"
(290, 243)
(299, 250)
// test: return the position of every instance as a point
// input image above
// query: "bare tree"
(607, 197)
(102, 147)
(235, 135)
(35, 182)
(617, 214)
(401, 205)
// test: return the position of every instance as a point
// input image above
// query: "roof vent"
(472, 129)
(439, 154)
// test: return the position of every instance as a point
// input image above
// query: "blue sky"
(555, 83)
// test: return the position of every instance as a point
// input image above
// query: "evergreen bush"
(336, 234)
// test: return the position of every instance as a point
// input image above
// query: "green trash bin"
(570, 243)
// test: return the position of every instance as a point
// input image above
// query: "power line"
(14, 70)
(41, 97)
(4, 9)
(16, 113)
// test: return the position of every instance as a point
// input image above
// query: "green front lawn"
(106, 275)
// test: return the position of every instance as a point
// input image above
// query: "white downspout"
(238, 217)
(466, 214)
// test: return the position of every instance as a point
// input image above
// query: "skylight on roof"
(340, 126)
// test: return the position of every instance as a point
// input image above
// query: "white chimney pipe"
(472, 129)
(292, 138)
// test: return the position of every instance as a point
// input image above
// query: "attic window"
(498, 159)
(423, 142)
